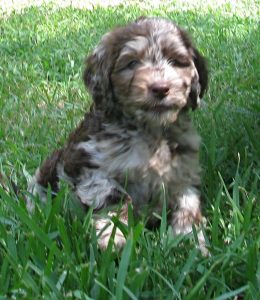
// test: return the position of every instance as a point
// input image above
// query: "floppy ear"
(199, 85)
(96, 75)
(201, 66)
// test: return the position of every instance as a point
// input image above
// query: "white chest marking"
(161, 160)
(115, 156)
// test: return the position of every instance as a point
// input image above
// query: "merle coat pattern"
(137, 143)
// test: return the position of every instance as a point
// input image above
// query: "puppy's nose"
(160, 89)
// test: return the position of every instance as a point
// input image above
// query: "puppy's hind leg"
(46, 175)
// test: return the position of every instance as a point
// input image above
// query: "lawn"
(53, 254)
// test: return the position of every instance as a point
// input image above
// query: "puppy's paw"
(182, 224)
(183, 220)
(104, 228)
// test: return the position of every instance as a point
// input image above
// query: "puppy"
(137, 144)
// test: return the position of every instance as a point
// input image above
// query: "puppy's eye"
(179, 62)
(132, 64)
(125, 65)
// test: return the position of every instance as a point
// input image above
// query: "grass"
(53, 253)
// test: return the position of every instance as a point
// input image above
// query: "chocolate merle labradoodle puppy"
(137, 144)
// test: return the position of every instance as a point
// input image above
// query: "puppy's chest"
(129, 153)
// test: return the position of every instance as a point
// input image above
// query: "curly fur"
(137, 144)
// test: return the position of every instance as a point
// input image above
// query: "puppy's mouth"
(159, 108)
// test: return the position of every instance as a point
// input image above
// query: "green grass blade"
(26, 218)
(193, 292)
(174, 292)
(123, 267)
(232, 294)
(186, 269)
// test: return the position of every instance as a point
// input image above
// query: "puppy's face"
(153, 75)
(151, 70)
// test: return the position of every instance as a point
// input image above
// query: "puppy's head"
(147, 69)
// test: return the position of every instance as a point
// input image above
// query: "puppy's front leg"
(188, 213)
(96, 190)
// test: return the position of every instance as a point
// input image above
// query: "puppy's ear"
(201, 66)
(96, 75)
(199, 85)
